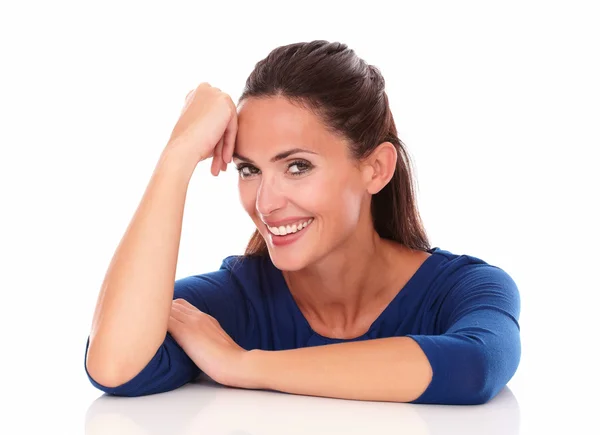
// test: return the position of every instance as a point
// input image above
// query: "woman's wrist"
(252, 368)
(178, 159)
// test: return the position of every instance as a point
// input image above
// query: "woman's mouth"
(284, 235)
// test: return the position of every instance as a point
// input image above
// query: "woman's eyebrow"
(278, 157)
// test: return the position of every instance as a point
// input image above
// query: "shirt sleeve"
(215, 293)
(480, 347)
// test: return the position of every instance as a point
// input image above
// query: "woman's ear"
(378, 168)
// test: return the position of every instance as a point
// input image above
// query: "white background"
(497, 103)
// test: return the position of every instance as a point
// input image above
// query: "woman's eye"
(246, 170)
(298, 168)
(294, 168)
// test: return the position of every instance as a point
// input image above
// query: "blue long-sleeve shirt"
(462, 311)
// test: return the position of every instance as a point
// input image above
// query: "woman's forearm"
(387, 369)
(132, 311)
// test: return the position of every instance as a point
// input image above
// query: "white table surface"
(209, 408)
(46, 391)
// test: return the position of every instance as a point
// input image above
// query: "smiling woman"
(339, 292)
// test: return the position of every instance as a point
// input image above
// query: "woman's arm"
(215, 293)
(391, 369)
(133, 307)
(469, 363)
(132, 312)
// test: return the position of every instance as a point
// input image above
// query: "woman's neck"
(339, 291)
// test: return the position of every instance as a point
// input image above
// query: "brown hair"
(349, 95)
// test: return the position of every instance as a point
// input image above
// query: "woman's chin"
(287, 260)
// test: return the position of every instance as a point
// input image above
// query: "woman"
(339, 293)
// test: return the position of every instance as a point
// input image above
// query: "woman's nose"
(269, 196)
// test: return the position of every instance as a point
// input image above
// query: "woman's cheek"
(311, 194)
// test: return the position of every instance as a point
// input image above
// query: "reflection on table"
(204, 407)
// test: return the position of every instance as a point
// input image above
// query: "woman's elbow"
(473, 377)
(479, 392)
(485, 377)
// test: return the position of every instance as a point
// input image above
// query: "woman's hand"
(207, 127)
(212, 350)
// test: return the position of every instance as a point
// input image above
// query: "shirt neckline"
(423, 270)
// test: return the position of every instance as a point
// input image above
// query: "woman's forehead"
(269, 126)
(275, 114)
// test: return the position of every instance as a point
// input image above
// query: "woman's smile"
(286, 235)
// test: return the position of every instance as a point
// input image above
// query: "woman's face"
(318, 184)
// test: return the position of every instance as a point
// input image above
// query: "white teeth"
(288, 229)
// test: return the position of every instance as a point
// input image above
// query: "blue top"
(462, 311)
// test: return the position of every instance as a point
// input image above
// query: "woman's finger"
(184, 302)
(185, 306)
(216, 162)
(229, 137)
(178, 315)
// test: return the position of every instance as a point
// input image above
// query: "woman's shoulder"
(462, 274)
(256, 274)
(247, 266)
(451, 262)
(240, 280)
